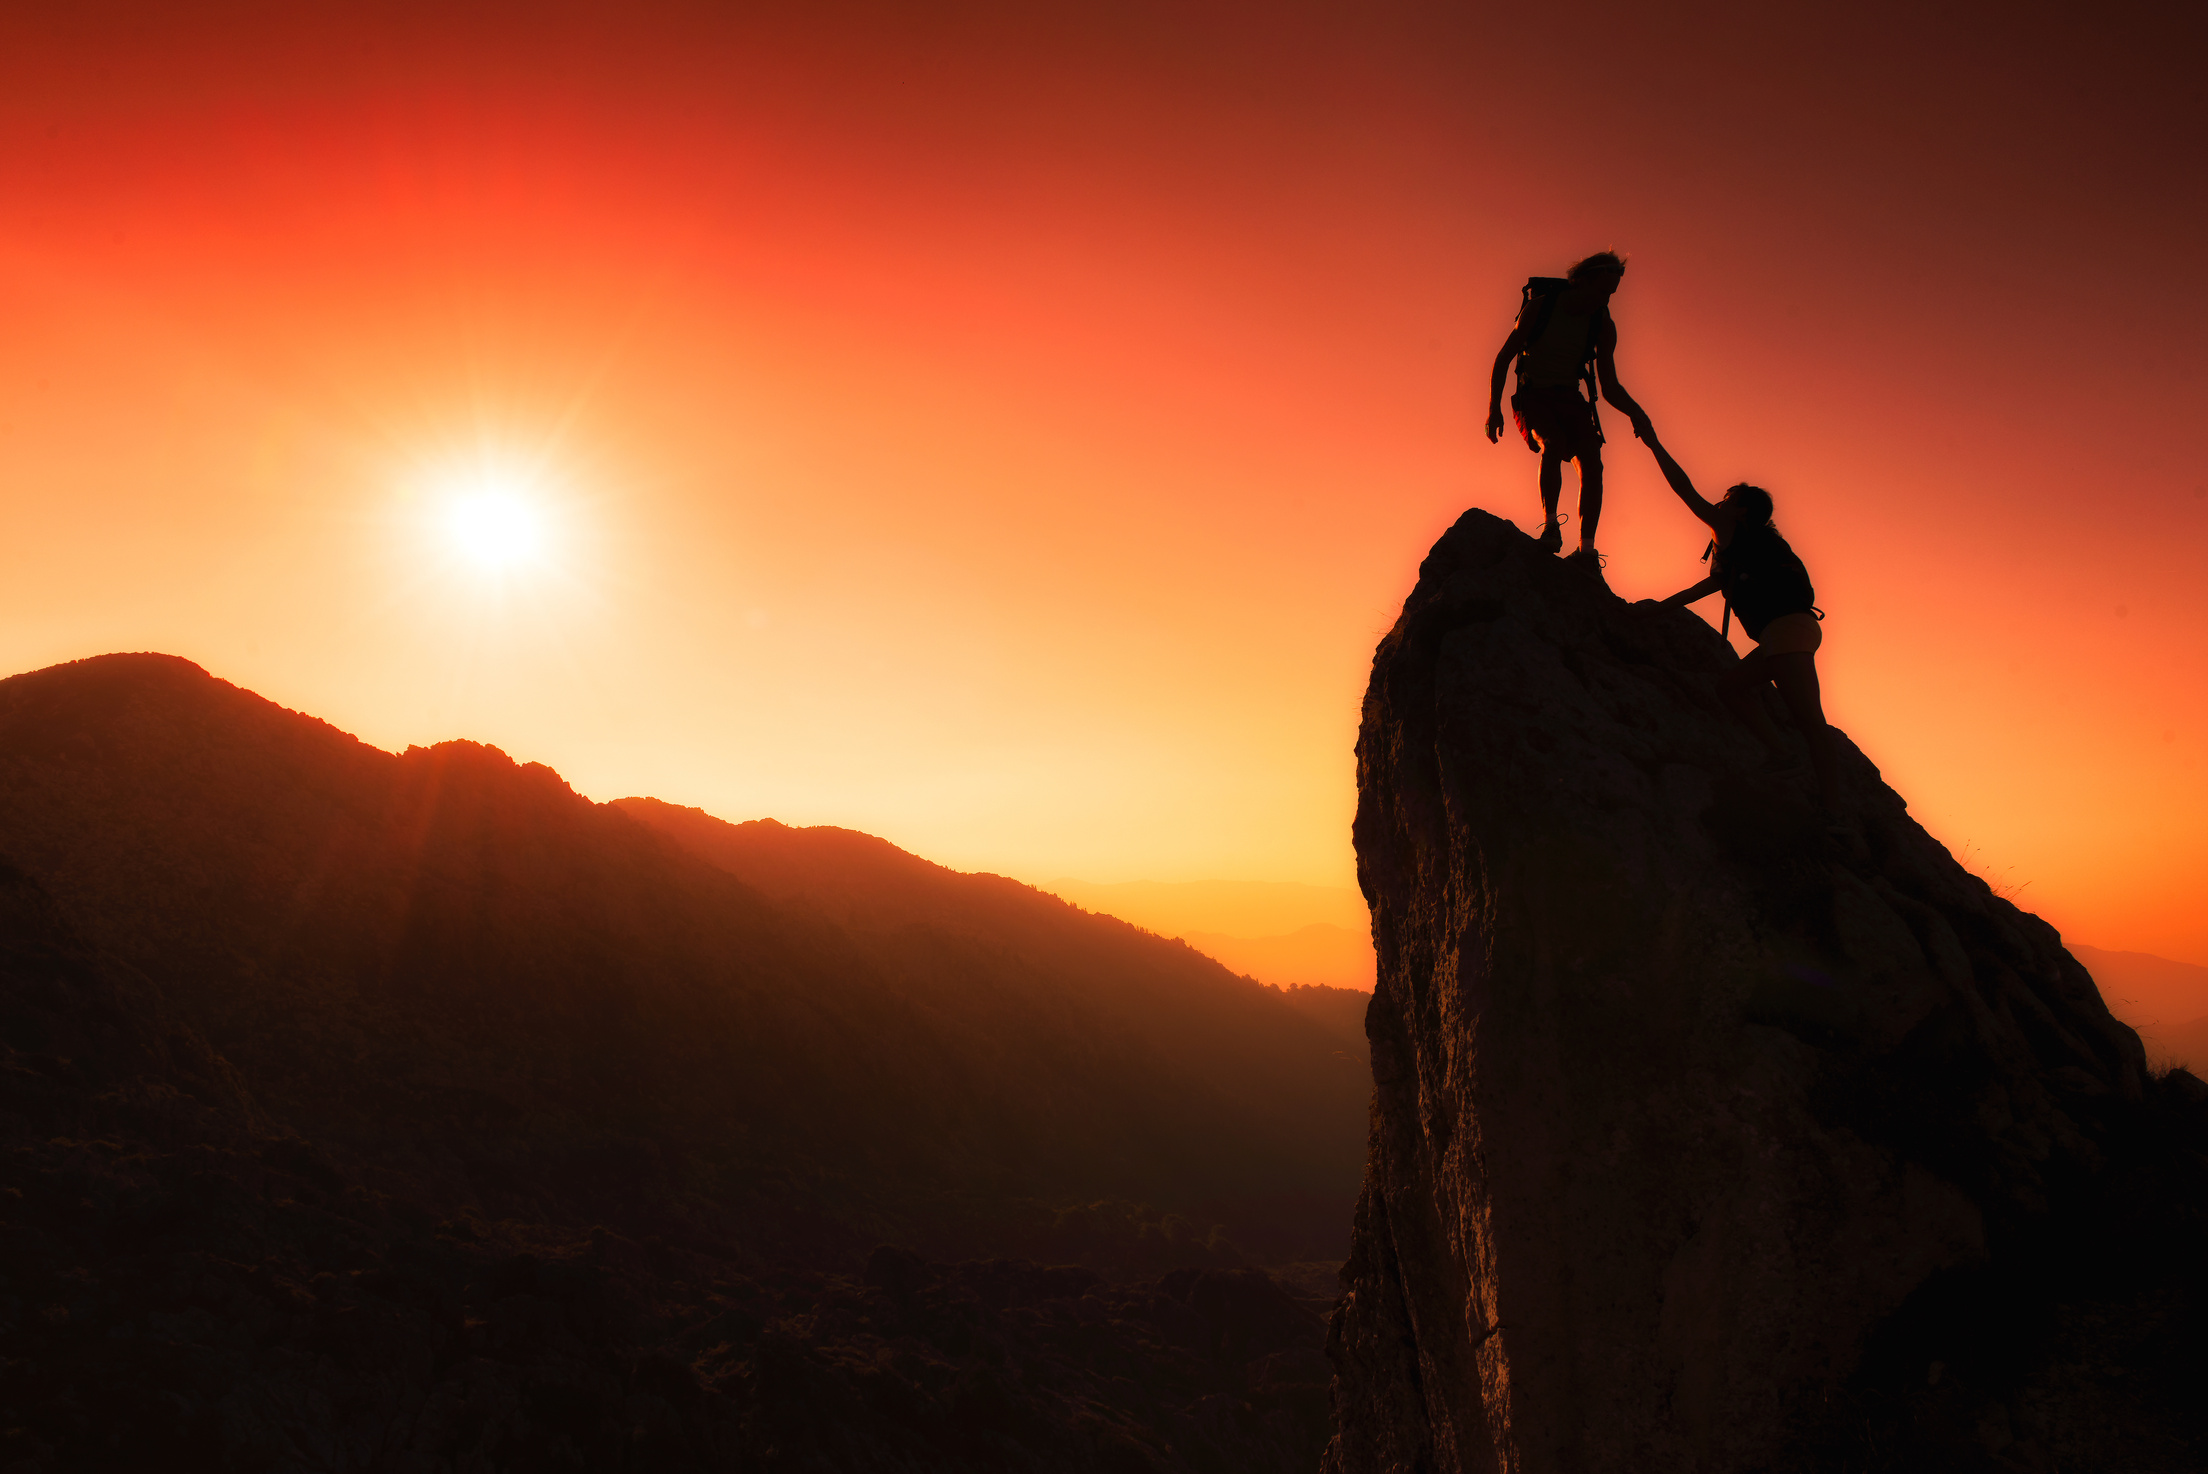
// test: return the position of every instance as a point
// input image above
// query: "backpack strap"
(1594, 352)
(1725, 626)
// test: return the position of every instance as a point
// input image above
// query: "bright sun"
(496, 528)
(492, 520)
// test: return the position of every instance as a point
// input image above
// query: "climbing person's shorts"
(1791, 634)
(1557, 416)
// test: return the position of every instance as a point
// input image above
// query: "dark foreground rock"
(1702, 1139)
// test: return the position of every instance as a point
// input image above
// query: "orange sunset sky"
(1007, 429)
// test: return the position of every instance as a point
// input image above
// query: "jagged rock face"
(1678, 1099)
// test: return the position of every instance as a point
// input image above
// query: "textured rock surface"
(1700, 1136)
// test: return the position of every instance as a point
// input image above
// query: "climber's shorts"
(1558, 417)
(1791, 634)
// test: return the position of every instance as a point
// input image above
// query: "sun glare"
(496, 528)
(493, 517)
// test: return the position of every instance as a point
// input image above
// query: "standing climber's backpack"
(1535, 307)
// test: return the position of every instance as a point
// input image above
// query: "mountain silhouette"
(1707, 1136)
(1201, 1055)
(428, 1048)
(1341, 1010)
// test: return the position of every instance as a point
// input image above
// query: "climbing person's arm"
(1696, 502)
(1702, 590)
(1606, 375)
(1495, 386)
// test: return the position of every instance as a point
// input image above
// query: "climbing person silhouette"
(1565, 337)
(1767, 586)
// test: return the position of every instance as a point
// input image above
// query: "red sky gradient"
(1009, 434)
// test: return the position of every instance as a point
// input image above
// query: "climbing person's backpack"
(1762, 578)
(1536, 306)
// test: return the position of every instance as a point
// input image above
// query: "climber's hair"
(1602, 263)
(1753, 502)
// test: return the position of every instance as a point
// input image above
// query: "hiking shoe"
(1551, 539)
(1586, 560)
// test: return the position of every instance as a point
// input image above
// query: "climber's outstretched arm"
(1606, 377)
(1696, 502)
(1495, 386)
(1702, 590)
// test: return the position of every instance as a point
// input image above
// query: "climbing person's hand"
(1644, 427)
(1494, 424)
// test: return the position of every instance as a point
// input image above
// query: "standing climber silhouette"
(1767, 586)
(1564, 337)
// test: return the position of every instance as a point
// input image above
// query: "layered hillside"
(1708, 1138)
(1044, 966)
(375, 1111)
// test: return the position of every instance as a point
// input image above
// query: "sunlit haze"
(1007, 430)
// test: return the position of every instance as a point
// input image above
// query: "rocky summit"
(1708, 1135)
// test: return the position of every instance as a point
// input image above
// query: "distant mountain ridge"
(1151, 988)
(904, 1023)
(1340, 1009)
(498, 1116)
(2167, 1002)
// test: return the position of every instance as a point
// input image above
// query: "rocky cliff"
(1704, 1138)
